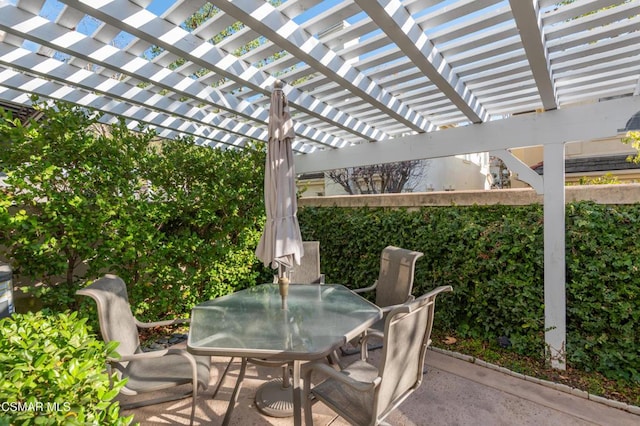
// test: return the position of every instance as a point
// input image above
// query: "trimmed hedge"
(493, 258)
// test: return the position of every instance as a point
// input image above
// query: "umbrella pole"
(283, 284)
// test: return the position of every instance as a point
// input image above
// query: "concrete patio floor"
(454, 392)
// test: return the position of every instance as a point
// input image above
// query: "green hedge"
(52, 372)
(493, 258)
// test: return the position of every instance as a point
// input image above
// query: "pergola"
(368, 81)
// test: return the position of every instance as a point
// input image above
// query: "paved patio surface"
(454, 392)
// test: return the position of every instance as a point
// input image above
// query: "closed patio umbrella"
(281, 243)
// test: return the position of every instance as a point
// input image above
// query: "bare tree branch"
(380, 178)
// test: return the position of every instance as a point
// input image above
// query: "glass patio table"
(251, 324)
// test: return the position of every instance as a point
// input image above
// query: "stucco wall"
(604, 194)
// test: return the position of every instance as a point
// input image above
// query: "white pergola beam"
(579, 123)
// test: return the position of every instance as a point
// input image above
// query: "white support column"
(554, 256)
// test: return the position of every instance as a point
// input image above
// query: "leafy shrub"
(71, 197)
(178, 222)
(206, 214)
(52, 372)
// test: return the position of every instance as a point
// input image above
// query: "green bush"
(206, 214)
(493, 256)
(71, 198)
(178, 222)
(52, 372)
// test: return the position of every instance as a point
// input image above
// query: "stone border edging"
(633, 409)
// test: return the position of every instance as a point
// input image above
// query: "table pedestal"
(275, 399)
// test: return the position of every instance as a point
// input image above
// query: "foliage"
(52, 372)
(603, 288)
(633, 138)
(493, 257)
(178, 223)
(208, 213)
(607, 179)
(69, 189)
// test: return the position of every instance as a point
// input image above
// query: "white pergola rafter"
(398, 24)
(51, 90)
(268, 21)
(48, 68)
(148, 27)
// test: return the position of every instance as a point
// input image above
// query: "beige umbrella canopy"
(281, 242)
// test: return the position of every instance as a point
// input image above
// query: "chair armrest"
(364, 346)
(158, 354)
(151, 355)
(365, 289)
(140, 324)
(372, 334)
(389, 308)
(343, 378)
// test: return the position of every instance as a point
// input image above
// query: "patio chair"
(364, 394)
(145, 371)
(308, 272)
(394, 284)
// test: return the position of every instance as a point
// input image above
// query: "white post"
(554, 256)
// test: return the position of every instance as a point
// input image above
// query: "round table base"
(274, 400)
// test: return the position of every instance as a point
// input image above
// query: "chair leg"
(334, 359)
(194, 398)
(155, 401)
(307, 399)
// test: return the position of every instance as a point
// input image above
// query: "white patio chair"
(365, 394)
(394, 284)
(145, 371)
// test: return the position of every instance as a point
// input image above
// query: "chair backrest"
(308, 272)
(407, 335)
(114, 313)
(395, 279)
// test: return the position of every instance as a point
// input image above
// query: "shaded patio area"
(454, 392)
